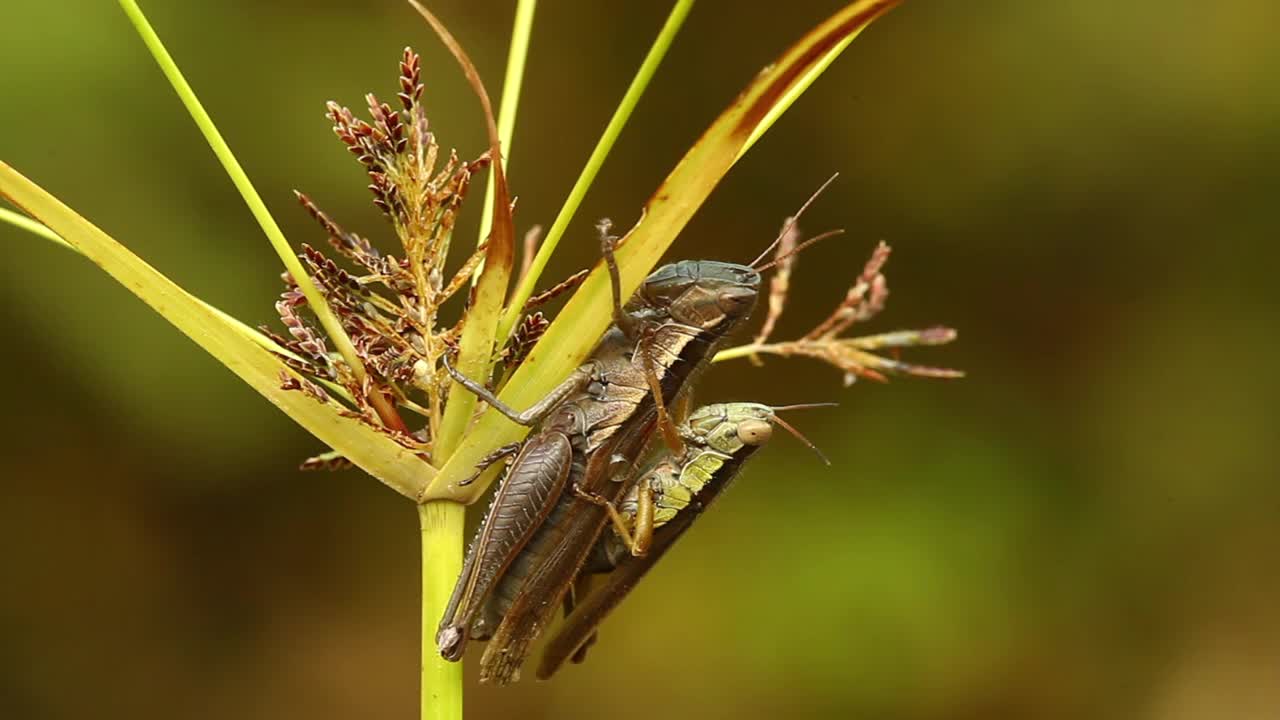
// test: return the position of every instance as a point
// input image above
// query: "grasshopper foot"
(594, 498)
(493, 457)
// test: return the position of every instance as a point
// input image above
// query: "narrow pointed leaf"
(509, 104)
(639, 83)
(240, 179)
(221, 337)
(475, 348)
(25, 223)
(584, 318)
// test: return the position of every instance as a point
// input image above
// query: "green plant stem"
(441, 526)
(601, 152)
(240, 179)
(441, 521)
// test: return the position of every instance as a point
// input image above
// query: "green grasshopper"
(550, 508)
(676, 488)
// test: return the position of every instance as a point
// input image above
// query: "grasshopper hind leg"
(637, 536)
(670, 433)
(631, 328)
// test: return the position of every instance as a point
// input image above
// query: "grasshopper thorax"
(707, 294)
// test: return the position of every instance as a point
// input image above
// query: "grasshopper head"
(734, 426)
(729, 427)
(707, 294)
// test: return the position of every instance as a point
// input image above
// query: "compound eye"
(736, 299)
(754, 432)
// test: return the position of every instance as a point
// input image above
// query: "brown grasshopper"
(551, 507)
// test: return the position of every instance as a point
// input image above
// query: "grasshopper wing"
(567, 535)
(532, 487)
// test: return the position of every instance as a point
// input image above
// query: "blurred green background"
(1086, 526)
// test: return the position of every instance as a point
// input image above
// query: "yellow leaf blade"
(569, 339)
(374, 452)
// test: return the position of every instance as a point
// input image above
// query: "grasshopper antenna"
(791, 222)
(803, 406)
(798, 248)
(796, 433)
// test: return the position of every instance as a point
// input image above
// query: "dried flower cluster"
(863, 301)
(389, 305)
